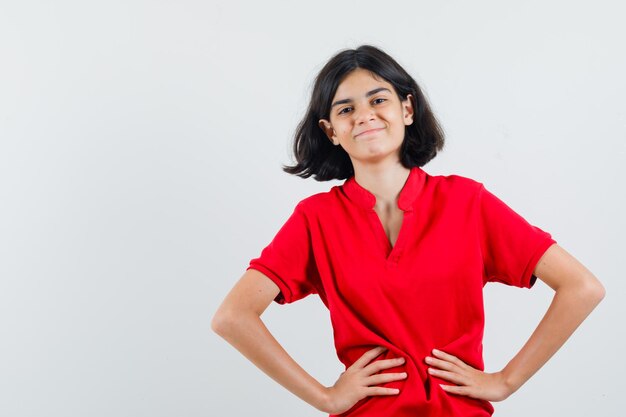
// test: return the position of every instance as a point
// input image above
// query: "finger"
(382, 391)
(455, 389)
(449, 376)
(449, 358)
(368, 356)
(377, 366)
(382, 378)
(441, 364)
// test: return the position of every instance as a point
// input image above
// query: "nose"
(364, 114)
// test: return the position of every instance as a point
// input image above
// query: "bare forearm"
(250, 336)
(569, 307)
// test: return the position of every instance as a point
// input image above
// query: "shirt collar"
(408, 194)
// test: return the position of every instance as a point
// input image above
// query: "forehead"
(358, 82)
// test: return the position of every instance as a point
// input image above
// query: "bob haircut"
(316, 155)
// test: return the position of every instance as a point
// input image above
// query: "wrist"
(509, 382)
(323, 399)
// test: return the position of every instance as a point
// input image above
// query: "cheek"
(343, 128)
(400, 122)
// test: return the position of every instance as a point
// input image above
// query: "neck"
(385, 181)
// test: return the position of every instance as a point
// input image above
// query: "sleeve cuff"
(528, 278)
(285, 296)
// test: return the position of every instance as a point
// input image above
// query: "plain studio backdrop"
(140, 153)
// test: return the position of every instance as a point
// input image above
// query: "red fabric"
(426, 292)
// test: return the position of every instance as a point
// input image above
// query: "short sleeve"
(288, 259)
(510, 245)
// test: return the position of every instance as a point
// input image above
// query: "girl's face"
(367, 118)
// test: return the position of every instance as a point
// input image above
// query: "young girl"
(399, 257)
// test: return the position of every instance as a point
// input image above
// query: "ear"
(328, 130)
(407, 109)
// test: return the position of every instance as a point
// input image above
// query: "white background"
(140, 153)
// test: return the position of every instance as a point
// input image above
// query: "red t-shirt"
(425, 292)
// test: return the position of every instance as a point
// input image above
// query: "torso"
(430, 284)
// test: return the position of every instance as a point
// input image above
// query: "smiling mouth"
(369, 132)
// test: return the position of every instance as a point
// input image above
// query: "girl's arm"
(577, 293)
(238, 321)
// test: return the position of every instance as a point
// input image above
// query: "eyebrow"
(368, 94)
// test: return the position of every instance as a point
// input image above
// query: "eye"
(379, 98)
(342, 110)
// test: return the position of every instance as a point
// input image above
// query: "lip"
(369, 132)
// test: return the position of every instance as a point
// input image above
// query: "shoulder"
(455, 184)
(318, 202)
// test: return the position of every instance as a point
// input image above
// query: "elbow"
(216, 323)
(594, 291)
(225, 321)
(587, 291)
(220, 322)
(598, 292)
